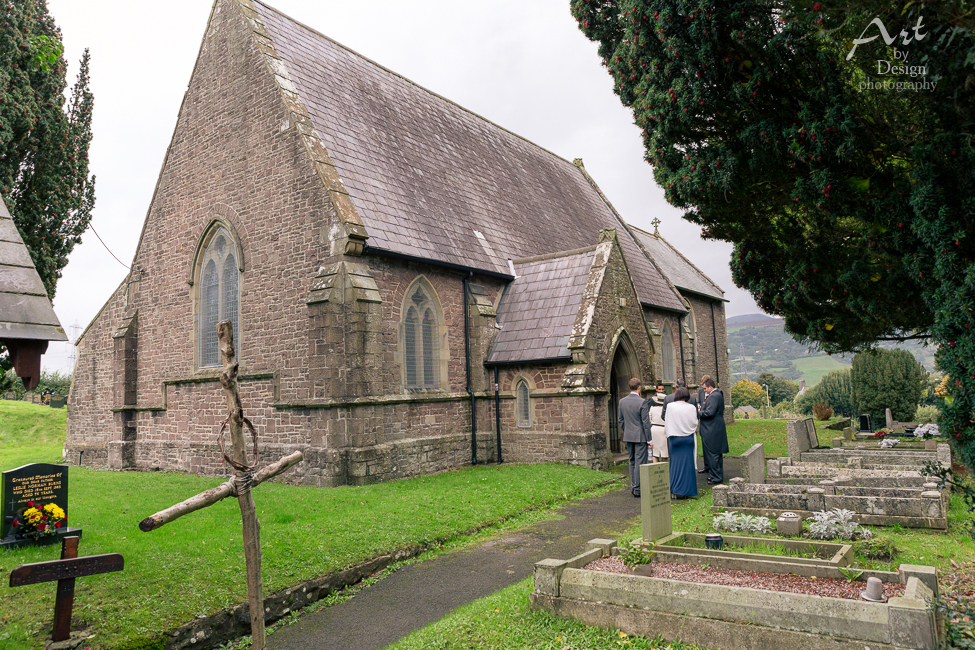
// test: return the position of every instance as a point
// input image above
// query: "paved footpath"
(422, 593)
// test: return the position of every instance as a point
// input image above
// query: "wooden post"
(243, 475)
(64, 601)
(245, 478)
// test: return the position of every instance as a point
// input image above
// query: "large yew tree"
(44, 138)
(851, 207)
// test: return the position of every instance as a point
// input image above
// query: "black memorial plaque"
(42, 483)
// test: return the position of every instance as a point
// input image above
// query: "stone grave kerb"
(655, 501)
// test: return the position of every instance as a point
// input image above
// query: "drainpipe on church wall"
(467, 354)
(680, 339)
(497, 410)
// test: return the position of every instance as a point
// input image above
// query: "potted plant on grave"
(638, 558)
(38, 521)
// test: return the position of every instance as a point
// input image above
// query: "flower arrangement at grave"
(36, 520)
(880, 434)
(888, 443)
(927, 431)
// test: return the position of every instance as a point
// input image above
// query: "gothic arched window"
(219, 296)
(523, 404)
(421, 339)
(667, 352)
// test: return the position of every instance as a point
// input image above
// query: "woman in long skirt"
(680, 425)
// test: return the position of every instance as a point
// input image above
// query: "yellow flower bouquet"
(37, 520)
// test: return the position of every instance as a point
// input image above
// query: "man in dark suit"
(714, 435)
(634, 434)
(701, 395)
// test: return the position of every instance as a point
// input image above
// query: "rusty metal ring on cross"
(223, 449)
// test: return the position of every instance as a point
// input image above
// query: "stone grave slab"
(753, 464)
(655, 501)
(39, 482)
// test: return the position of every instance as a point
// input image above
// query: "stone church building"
(409, 283)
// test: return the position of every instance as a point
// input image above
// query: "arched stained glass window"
(421, 340)
(523, 404)
(667, 352)
(219, 297)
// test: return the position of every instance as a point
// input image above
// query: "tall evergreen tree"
(43, 144)
(882, 379)
(835, 389)
(851, 205)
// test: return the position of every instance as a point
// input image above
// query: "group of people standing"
(663, 426)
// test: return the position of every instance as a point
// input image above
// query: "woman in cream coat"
(680, 426)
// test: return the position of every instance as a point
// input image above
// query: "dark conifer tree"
(851, 207)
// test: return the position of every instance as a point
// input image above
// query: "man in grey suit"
(634, 434)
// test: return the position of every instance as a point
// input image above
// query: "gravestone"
(865, 423)
(848, 433)
(797, 437)
(39, 482)
(811, 432)
(889, 418)
(753, 464)
(655, 501)
(10, 395)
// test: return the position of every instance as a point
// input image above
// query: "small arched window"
(219, 296)
(421, 340)
(667, 352)
(523, 405)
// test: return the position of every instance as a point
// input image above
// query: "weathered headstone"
(848, 433)
(797, 437)
(38, 482)
(811, 432)
(889, 418)
(753, 464)
(10, 395)
(655, 501)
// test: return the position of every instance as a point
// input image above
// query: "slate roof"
(678, 269)
(435, 181)
(25, 310)
(539, 308)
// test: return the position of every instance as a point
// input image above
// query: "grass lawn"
(195, 565)
(30, 433)
(813, 368)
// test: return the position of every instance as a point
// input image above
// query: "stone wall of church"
(319, 333)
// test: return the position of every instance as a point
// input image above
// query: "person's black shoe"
(636, 494)
(710, 482)
(703, 471)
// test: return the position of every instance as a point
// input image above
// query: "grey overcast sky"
(522, 65)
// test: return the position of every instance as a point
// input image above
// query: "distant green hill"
(758, 343)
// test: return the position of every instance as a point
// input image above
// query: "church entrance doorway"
(622, 370)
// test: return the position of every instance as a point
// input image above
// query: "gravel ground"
(770, 581)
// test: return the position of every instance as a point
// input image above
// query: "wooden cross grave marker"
(65, 570)
(239, 485)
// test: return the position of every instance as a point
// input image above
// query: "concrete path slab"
(425, 592)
